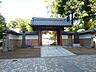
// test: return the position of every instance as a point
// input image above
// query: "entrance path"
(50, 51)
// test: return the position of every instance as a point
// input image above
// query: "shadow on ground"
(20, 53)
(31, 52)
(82, 50)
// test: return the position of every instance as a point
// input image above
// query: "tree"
(62, 8)
(92, 24)
(90, 8)
(55, 7)
(73, 7)
(2, 26)
(23, 25)
(93, 8)
(81, 10)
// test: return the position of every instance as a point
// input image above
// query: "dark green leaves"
(2, 26)
(22, 24)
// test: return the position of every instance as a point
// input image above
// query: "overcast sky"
(12, 9)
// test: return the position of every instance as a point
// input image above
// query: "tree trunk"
(72, 19)
(23, 40)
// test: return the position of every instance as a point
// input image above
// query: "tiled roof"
(88, 31)
(67, 33)
(11, 31)
(30, 33)
(50, 22)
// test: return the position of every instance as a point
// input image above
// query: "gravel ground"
(85, 63)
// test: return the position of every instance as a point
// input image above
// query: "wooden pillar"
(59, 38)
(40, 38)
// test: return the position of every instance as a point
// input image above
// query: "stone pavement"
(76, 63)
(50, 51)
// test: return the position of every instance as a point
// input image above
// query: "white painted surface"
(20, 36)
(72, 36)
(76, 45)
(50, 51)
(86, 36)
(64, 36)
(31, 36)
(11, 36)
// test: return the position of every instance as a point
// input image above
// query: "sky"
(12, 9)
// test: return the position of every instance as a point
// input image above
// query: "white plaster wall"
(11, 36)
(20, 36)
(85, 36)
(64, 36)
(31, 36)
(72, 36)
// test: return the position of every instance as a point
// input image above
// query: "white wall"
(85, 36)
(64, 36)
(31, 36)
(11, 36)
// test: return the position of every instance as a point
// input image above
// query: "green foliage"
(55, 7)
(2, 22)
(2, 25)
(89, 25)
(93, 24)
(73, 28)
(61, 8)
(90, 8)
(74, 6)
(93, 5)
(22, 24)
(84, 11)
(93, 9)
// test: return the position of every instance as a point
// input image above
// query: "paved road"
(51, 51)
(81, 63)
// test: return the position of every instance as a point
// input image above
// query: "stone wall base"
(76, 45)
